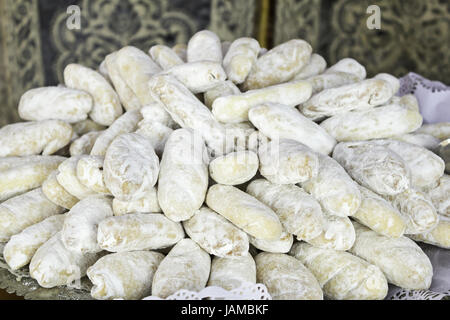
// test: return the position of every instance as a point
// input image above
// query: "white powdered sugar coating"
(315, 66)
(240, 58)
(231, 273)
(204, 46)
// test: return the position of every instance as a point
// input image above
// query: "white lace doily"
(433, 97)
(248, 291)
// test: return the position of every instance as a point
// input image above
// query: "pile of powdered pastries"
(219, 164)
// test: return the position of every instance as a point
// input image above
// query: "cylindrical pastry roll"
(138, 231)
(22, 174)
(440, 196)
(154, 113)
(131, 167)
(188, 111)
(55, 103)
(331, 80)
(232, 273)
(373, 166)
(125, 124)
(79, 233)
(281, 245)
(235, 108)
(240, 58)
(287, 162)
(393, 81)
(286, 278)
(84, 144)
(439, 236)
(222, 89)
(425, 166)
(68, 179)
(349, 65)
(165, 57)
(377, 123)
(199, 76)
(438, 130)
(279, 65)
(358, 96)
(216, 235)
(299, 213)
(417, 209)
(90, 173)
(338, 234)
(23, 211)
(53, 265)
(124, 275)
(204, 46)
(56, 193)
(278, 122)
(245, 211)
(147, 204)
(234, 168)
(334, 189)
(379, 215)
(342, 275)
(183, 179)
(21, 247)
(400, 259)
(315, 66)
(107, 107)
(186, 267)
(33, 138)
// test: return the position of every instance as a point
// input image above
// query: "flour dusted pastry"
(232, 273)
(358, 96)
(84, 144)
(183, 178)
(156, 133)
(281, 245)
(125, 124)
(420, 214)
(21, 247)
(278, 122)
(79, 232)
(299, 213)
(334, 189)
(235, 108)
(439, 236)
(124, 275)
(204, 46)
(393, 81)
(342, 275)
(378, 123)
(222, 89)
(188, 111)
(216, 235)
(325, 81)
(154, 113)
(53, 265)
(287, 162)
(243, 136)
(90, 173)
(55, 103)
(165, 57)
(349, 65)
(131, 167)
(440, 196)
(234, 168)
(21, 174)
(437, 130)
(199, 76)
(379, 215)
(33, 138)
(56, 193)
(147, 204)
(286, 278)
(279, 65)
(86, 126)
(338, 234)
(22, 211)
(425, 166)
(315, 66)
(374, 166)
(423, 140)
(181, 50)
(136, 69)
(240, 59)
(126, 95)
(401, 260)
(244, 211)
(68, 179)
(186, 267)
(138, 231)
(107, 107)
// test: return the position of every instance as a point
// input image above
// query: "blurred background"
(36, 44)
